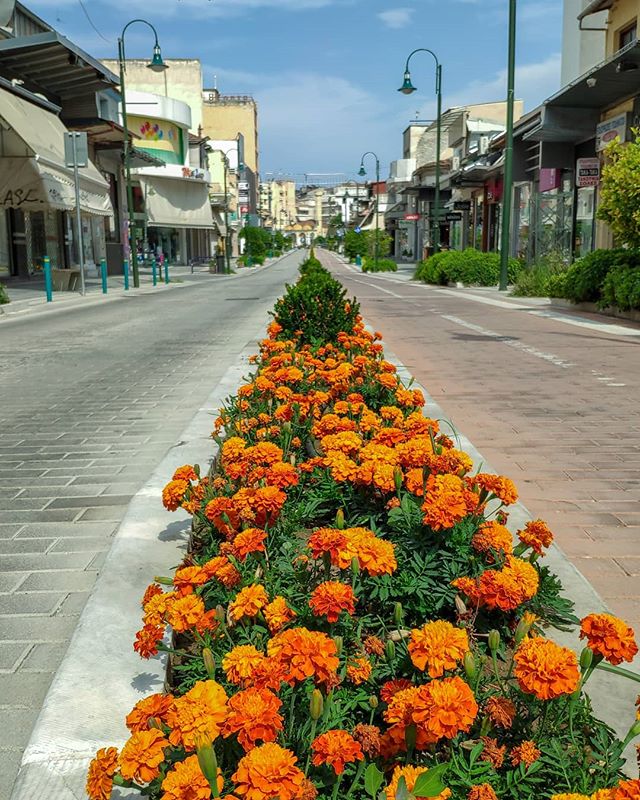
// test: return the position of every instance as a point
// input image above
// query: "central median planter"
(354, 618)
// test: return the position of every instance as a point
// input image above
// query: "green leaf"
(429, 784)
(373, 779)
(402, 792)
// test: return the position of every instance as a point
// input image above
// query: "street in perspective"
(319, 431)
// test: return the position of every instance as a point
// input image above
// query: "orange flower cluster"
(331, 598)
(609, 637)
(438, 646)
(374, 555)
(545, 669)
(336, 749)
(505, 588)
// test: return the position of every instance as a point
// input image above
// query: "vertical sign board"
(587, 172)
(76, 154)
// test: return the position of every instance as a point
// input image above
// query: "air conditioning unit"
(484, 145)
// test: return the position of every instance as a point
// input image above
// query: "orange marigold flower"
(185, 781)
(503, 488)
(249, 602)
(331, 598)
(333, 542)
(509, 587)
(155, 706)
(186, 578)
(184, 613)
(156, 607)
(492, 752)
(153, 590)
(545, 669)
(603, 794)
(501, 711)
(492, 536)
(100, 774)
(186, 473)
(200, 712)
(249, 541)
(241, 663)
(282, 475)
(570, 796)
(148, 639)
(223, 570)
(304, 654)
(374, 646)
(437, 646)
(142, 755)
(359, 670)
(525, 753)
(173, 494)
(391, 688)
(536, 535)
(609, 637)
(253, 716)
(482, 791)
(277, 614)
(445, 502)
(368, 737)
(336, 749)
(627, 790)
(444, 708)
(222, 512)
(375, 556)
(268, 772)
(267, 503)
(410, 775)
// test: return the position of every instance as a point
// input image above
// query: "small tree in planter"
(620, 191)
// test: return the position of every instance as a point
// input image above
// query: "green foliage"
(585, 277)
(621, 288)
(620, 191)
(382, 265)
(4, 297)
(316, 309)
(470, 267)
(355, 244)
(257, 243)
(384, 243)
(538, 280)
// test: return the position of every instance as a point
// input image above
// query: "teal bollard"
(48, 285)
(154, 274)
(103, 275)
(126, 275)
(166, 272)
(358, 261)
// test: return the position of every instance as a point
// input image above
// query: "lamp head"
(407, 87)
(157, 64)
(362, 171)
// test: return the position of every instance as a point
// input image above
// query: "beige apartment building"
(278, 203)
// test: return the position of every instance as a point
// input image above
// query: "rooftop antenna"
(215, 82)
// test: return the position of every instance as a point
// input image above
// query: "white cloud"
(396, 17)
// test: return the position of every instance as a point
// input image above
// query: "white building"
(583, 45)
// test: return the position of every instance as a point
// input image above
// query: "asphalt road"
(91, 399)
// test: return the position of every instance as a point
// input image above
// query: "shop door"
(553, 225)
(19, 256)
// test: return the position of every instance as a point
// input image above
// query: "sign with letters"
(587, 172)
(614, 128)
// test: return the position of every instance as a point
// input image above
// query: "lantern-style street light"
(507, 189)
(408, 88)
(155, 65)
(363, 172)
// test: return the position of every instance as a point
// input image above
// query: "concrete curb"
(613, 698)
(101, 677)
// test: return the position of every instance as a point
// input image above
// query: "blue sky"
(325, 72)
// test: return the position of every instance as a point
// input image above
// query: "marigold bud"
(221, 614)
(340, 519)
(524, 626)
(410, 736)
(153, 723)
(208, 763)
(398, 478)
(470, 668)
(390, 651)
(494, 640)
(316, 704)
(373, 701)
(209, 663)
(196, 469)
(634, 731)
(162, 580)
(355, 567)
(339, 644)
(398, 614)
(586, 659)
(286, 427)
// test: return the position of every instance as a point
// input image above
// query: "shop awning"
(219, 219)
(33, 175)
(594, 7)
(176, 202)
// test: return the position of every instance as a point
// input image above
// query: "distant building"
(278, 203)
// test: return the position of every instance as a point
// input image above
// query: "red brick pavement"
(538, 398)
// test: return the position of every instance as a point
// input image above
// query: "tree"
(384, 243)
(355, 244)
(620, 191)
(257, 242)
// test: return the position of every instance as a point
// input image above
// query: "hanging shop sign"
(453, 216)
(462, 205)
(614, 128)
(587, 172)
(412, 217)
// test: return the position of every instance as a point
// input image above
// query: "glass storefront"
(585, 220)
(5, 256)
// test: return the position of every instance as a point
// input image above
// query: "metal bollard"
(126, 275)
(154, 275)
(48, 285)
(103, 274)
(166, 272)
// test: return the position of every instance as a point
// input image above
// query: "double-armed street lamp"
(408, 88)
(155, 65)
(362, 172)
(225, 171)
(507, 188)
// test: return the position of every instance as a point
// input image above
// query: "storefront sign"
(614, 128)
(158, 138)
(549, 179)
(412, 217)
(587, 172)
(462, 205)
(453, 216)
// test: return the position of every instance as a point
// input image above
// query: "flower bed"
(354, 619)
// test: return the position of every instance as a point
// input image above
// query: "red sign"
(550, 178)
(244, 209)
(412, 217)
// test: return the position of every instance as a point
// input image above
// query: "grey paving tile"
(9, 581)
(115, 513)
(83, 502)
(102, 478)
(9, 765)
(62, 580)
(20, 504)
(42, 480)
(43, 562)
(73, 604)
(15, 727)
(51, 492)
(46, 515)
(22, 474)
(27, 690)
(41, 657)
(12, 653)
(10, 546)
(9, 531)
(66, 530)
(81, 544)
(30, 603)
(36, 629)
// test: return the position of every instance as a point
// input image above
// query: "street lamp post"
(507, 189)
(362, 171)
(156, 65)
(408, 88)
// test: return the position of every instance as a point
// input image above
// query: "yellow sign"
(158, 138)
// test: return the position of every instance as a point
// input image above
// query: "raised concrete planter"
(593, 308)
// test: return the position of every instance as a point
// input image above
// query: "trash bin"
(220, 267)
(358, 261)
(74, 280)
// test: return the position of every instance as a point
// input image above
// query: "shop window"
(628, 35)
(5, 257)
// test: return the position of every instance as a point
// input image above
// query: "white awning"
(33, 175)
(176, 202)
(219, 218)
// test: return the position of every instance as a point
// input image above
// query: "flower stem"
(336, 788)
(625, 673)
(314, 725)
(356, 780)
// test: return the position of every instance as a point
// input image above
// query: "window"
(628, 35)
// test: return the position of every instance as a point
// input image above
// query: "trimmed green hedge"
(383, 265)
(4, 297)
(471, 267)
(585, 278)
